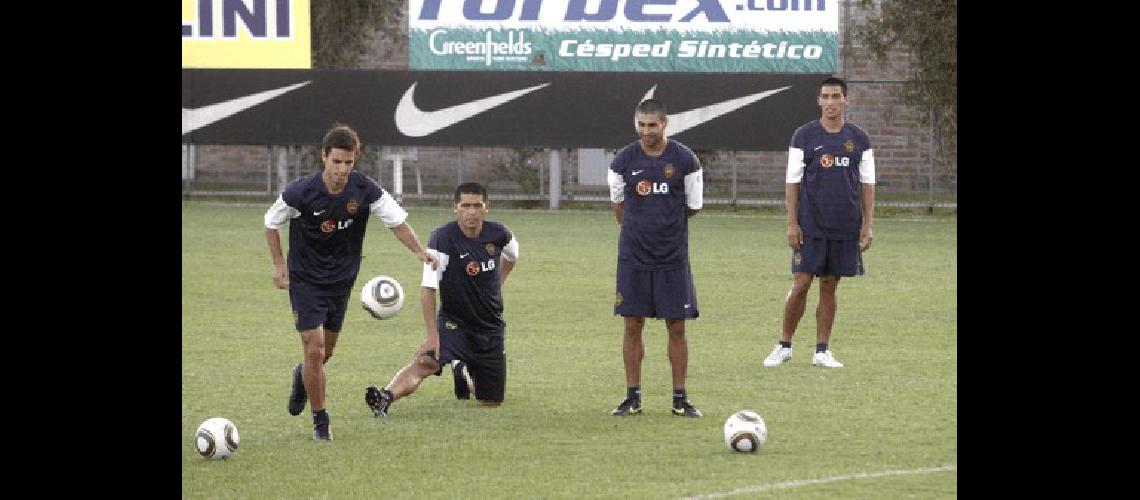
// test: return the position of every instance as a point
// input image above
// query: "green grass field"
(885, 426)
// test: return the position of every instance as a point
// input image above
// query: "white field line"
(805, 482)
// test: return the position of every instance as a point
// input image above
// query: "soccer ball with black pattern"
(216, 438)
(745, 432)
(382, 297)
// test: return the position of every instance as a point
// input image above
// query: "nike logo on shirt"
(636, 172)
(414, 122)
(462, 255)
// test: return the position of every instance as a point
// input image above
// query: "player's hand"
(865, 238)
(430, 345)
(281, 276)
(430, 260)
(795, 236)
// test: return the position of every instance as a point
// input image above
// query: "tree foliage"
(928, 29)
(341, 29)
(522, 167)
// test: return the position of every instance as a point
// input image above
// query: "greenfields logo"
(492, 47)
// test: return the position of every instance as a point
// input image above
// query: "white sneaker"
(825, 359)
(778, 356)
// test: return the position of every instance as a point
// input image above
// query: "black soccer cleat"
(462, 379)
(297, 395)
(377, 400)
(322, 433)
(627, 407)
(687, 410)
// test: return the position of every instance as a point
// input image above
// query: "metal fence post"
(555, 178)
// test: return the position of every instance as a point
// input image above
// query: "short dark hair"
(341, 137)
(834, 81)
(471, 188)
(652, 106)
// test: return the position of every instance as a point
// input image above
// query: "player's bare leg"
(825, 311)
(678, 351)
(313, 370)
(330, 344)
(824, 318)
(632, 352)
(795, 304)
(408, 379)
(313, 375)
(633, 349)
(404, 383)
(679, 362)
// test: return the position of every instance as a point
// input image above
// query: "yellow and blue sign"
(246, 34)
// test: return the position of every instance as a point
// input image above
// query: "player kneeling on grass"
(475, 257)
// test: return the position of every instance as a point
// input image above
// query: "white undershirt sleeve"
(795, 166)
(511, 251)
(867, 167)
(695, 189)
(279, 213)
(431, 277)
(617, 186)
(388, 211)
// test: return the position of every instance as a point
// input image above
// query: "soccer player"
(475, 257)
(656, 184)
(327, 214)
(830, 194)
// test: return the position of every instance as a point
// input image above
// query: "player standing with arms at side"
(830, 194)
(656, 184)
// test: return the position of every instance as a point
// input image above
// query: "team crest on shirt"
(472, 268)
(849, 146)
(617, 300)
(352, 206)
(669, 170)
(644, 187)
(826, 161)
(490, 248)
(328, 226)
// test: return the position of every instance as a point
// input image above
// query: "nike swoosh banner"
(443, 108)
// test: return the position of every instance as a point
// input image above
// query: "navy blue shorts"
(824, 257)
(656, 294)
(311, 310)
(484, 354)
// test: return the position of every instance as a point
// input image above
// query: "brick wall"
(902, 145)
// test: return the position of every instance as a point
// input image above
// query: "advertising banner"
(445, 108)
(706, 36)
(245, 34)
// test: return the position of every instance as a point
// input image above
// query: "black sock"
(821, 347)
(320, 417)
(633, 392)
(387, 394)
(787, 344)
(678, 397)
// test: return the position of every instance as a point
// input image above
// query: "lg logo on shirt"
(329, 226)
(474, 268)
(826, 161)
(644, 188)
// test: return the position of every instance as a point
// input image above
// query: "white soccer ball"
(382, 297)
(216, 438)
(745, 432)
